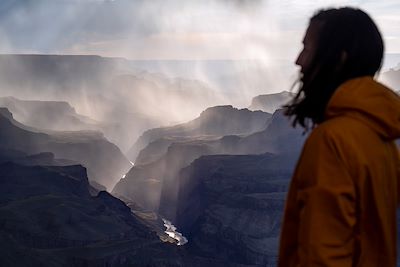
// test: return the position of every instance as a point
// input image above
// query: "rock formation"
(212, 123)
(155, 185)
(105, 162)
(270, 102)
(230, 207)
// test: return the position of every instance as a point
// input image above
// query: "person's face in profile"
(309, 46)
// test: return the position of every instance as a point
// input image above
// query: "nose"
(300, 59)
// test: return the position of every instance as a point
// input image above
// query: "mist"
(195, 32)
(162, 62)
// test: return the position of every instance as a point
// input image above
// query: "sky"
(174, 29)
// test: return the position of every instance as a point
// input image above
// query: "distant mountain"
(270, 102)
(212, 123)
(279, 137)
(238, 80)
(50, 115)
(104, 161)
(125, 100)
(142, 101)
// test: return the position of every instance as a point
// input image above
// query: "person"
(341, 205)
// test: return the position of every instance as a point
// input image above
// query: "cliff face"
(48, 217)
(274, 135)
(50, 115)
(154, 185)
(212, 123)
(49, 212)
(271, 102)
(104, 161)
(230, 207)
(279, 137)
(152, 181)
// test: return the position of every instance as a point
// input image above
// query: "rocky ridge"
(155, 186)
(270, 102)
(212, 123)
(104, 161)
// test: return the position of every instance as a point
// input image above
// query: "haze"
(230, 51)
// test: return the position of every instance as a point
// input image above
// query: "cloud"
(171, 28)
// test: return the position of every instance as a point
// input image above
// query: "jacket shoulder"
(345, 130)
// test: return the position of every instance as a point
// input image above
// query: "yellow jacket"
(341, 205)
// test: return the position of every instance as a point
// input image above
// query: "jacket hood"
(370, 102)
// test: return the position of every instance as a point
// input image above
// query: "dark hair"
(348, 45)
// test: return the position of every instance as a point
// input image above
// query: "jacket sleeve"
(326, 205)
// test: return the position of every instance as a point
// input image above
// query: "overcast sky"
(174, 29)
